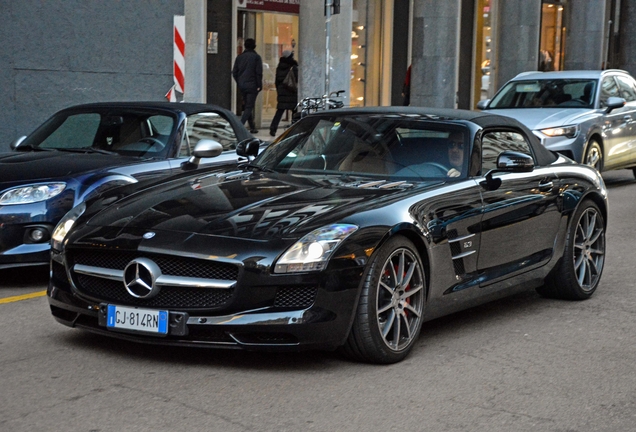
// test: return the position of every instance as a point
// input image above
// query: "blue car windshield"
(546, 93)
(130, 133)
(391, 148)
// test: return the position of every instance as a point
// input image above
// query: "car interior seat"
(414, 156)
(365, 157)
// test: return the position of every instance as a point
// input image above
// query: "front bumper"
(324, 324)
(573, 148)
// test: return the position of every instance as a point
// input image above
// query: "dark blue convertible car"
(84, 150)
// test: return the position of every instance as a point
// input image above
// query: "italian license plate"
(143, 320)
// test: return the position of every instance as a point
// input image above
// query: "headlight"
(65, 224)
(31, 193)
(312, 252)
(567, 131)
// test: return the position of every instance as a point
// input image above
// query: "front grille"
(169, 297)
(169, 265)
(109, 290)
(295, 297)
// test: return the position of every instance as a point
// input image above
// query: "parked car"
(349, 231)
(589, 116)
(86, 149)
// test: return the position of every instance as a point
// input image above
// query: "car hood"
(541, 118)
(257, 206)
(49, 165)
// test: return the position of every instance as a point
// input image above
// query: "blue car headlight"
(312, 252)
(31, 193)
(566, 131)
(65, 224)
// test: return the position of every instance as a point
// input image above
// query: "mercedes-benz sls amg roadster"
(350, 231)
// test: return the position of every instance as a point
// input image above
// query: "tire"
(634, 171)
(594, 155)
(579, 270)
(388, 318)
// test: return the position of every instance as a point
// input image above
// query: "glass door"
(552, 42)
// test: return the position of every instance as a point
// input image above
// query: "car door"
(521, 217)
(616, 126)
(627, 88)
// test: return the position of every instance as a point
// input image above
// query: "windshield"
(395, 147)
(546, 93)
(125, 132)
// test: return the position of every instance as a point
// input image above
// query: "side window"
(608, 89)
(212, 126)
(493, 143)
(627, 87)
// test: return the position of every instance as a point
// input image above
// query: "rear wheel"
(389, 314)
(594, 155)
(579, 271)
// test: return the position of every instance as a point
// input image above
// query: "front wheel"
(579, 271)
(388, 318)
(594, 155)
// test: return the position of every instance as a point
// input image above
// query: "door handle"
(628, 119)
(546, 186)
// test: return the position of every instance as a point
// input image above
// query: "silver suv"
(588, 116)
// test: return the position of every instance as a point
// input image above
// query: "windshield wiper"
(31, 147)
(87, 150)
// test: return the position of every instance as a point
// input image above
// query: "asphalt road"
(520, 364)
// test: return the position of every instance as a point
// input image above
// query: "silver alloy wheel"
(593, 156)
(400, 299)
(589, 249)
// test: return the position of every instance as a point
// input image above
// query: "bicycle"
(311, 105)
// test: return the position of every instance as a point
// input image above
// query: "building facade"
(460, 51)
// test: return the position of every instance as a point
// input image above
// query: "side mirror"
(248, 147)
(14, 145)
(508, 161)
(483, 104)
(511, 161)
(205, 148)
(614, 102)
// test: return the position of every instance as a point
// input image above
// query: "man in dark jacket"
(287, 96)
(248, 73)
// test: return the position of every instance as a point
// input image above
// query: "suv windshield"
(547, 93)
(125, 132)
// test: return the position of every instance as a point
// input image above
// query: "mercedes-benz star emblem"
(140, 276)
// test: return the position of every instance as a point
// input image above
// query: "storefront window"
(552, 36)
(484, 51)
(358, 53)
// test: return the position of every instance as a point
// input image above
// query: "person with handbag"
(286, 88)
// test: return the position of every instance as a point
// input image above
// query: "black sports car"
(349, 231)
(86, 149)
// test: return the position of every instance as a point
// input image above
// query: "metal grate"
(295, 297)
(169, 265)
(169, 297)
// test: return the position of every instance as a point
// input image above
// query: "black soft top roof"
(479, 118)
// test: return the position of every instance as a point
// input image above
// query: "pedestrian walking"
(286, 88)
(248, 73)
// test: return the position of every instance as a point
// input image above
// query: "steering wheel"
(438, 166)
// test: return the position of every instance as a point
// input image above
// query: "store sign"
(287, 6)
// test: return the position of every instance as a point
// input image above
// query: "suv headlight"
(31, 193)
(312, 252)
(566, 131)
(65, 224)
